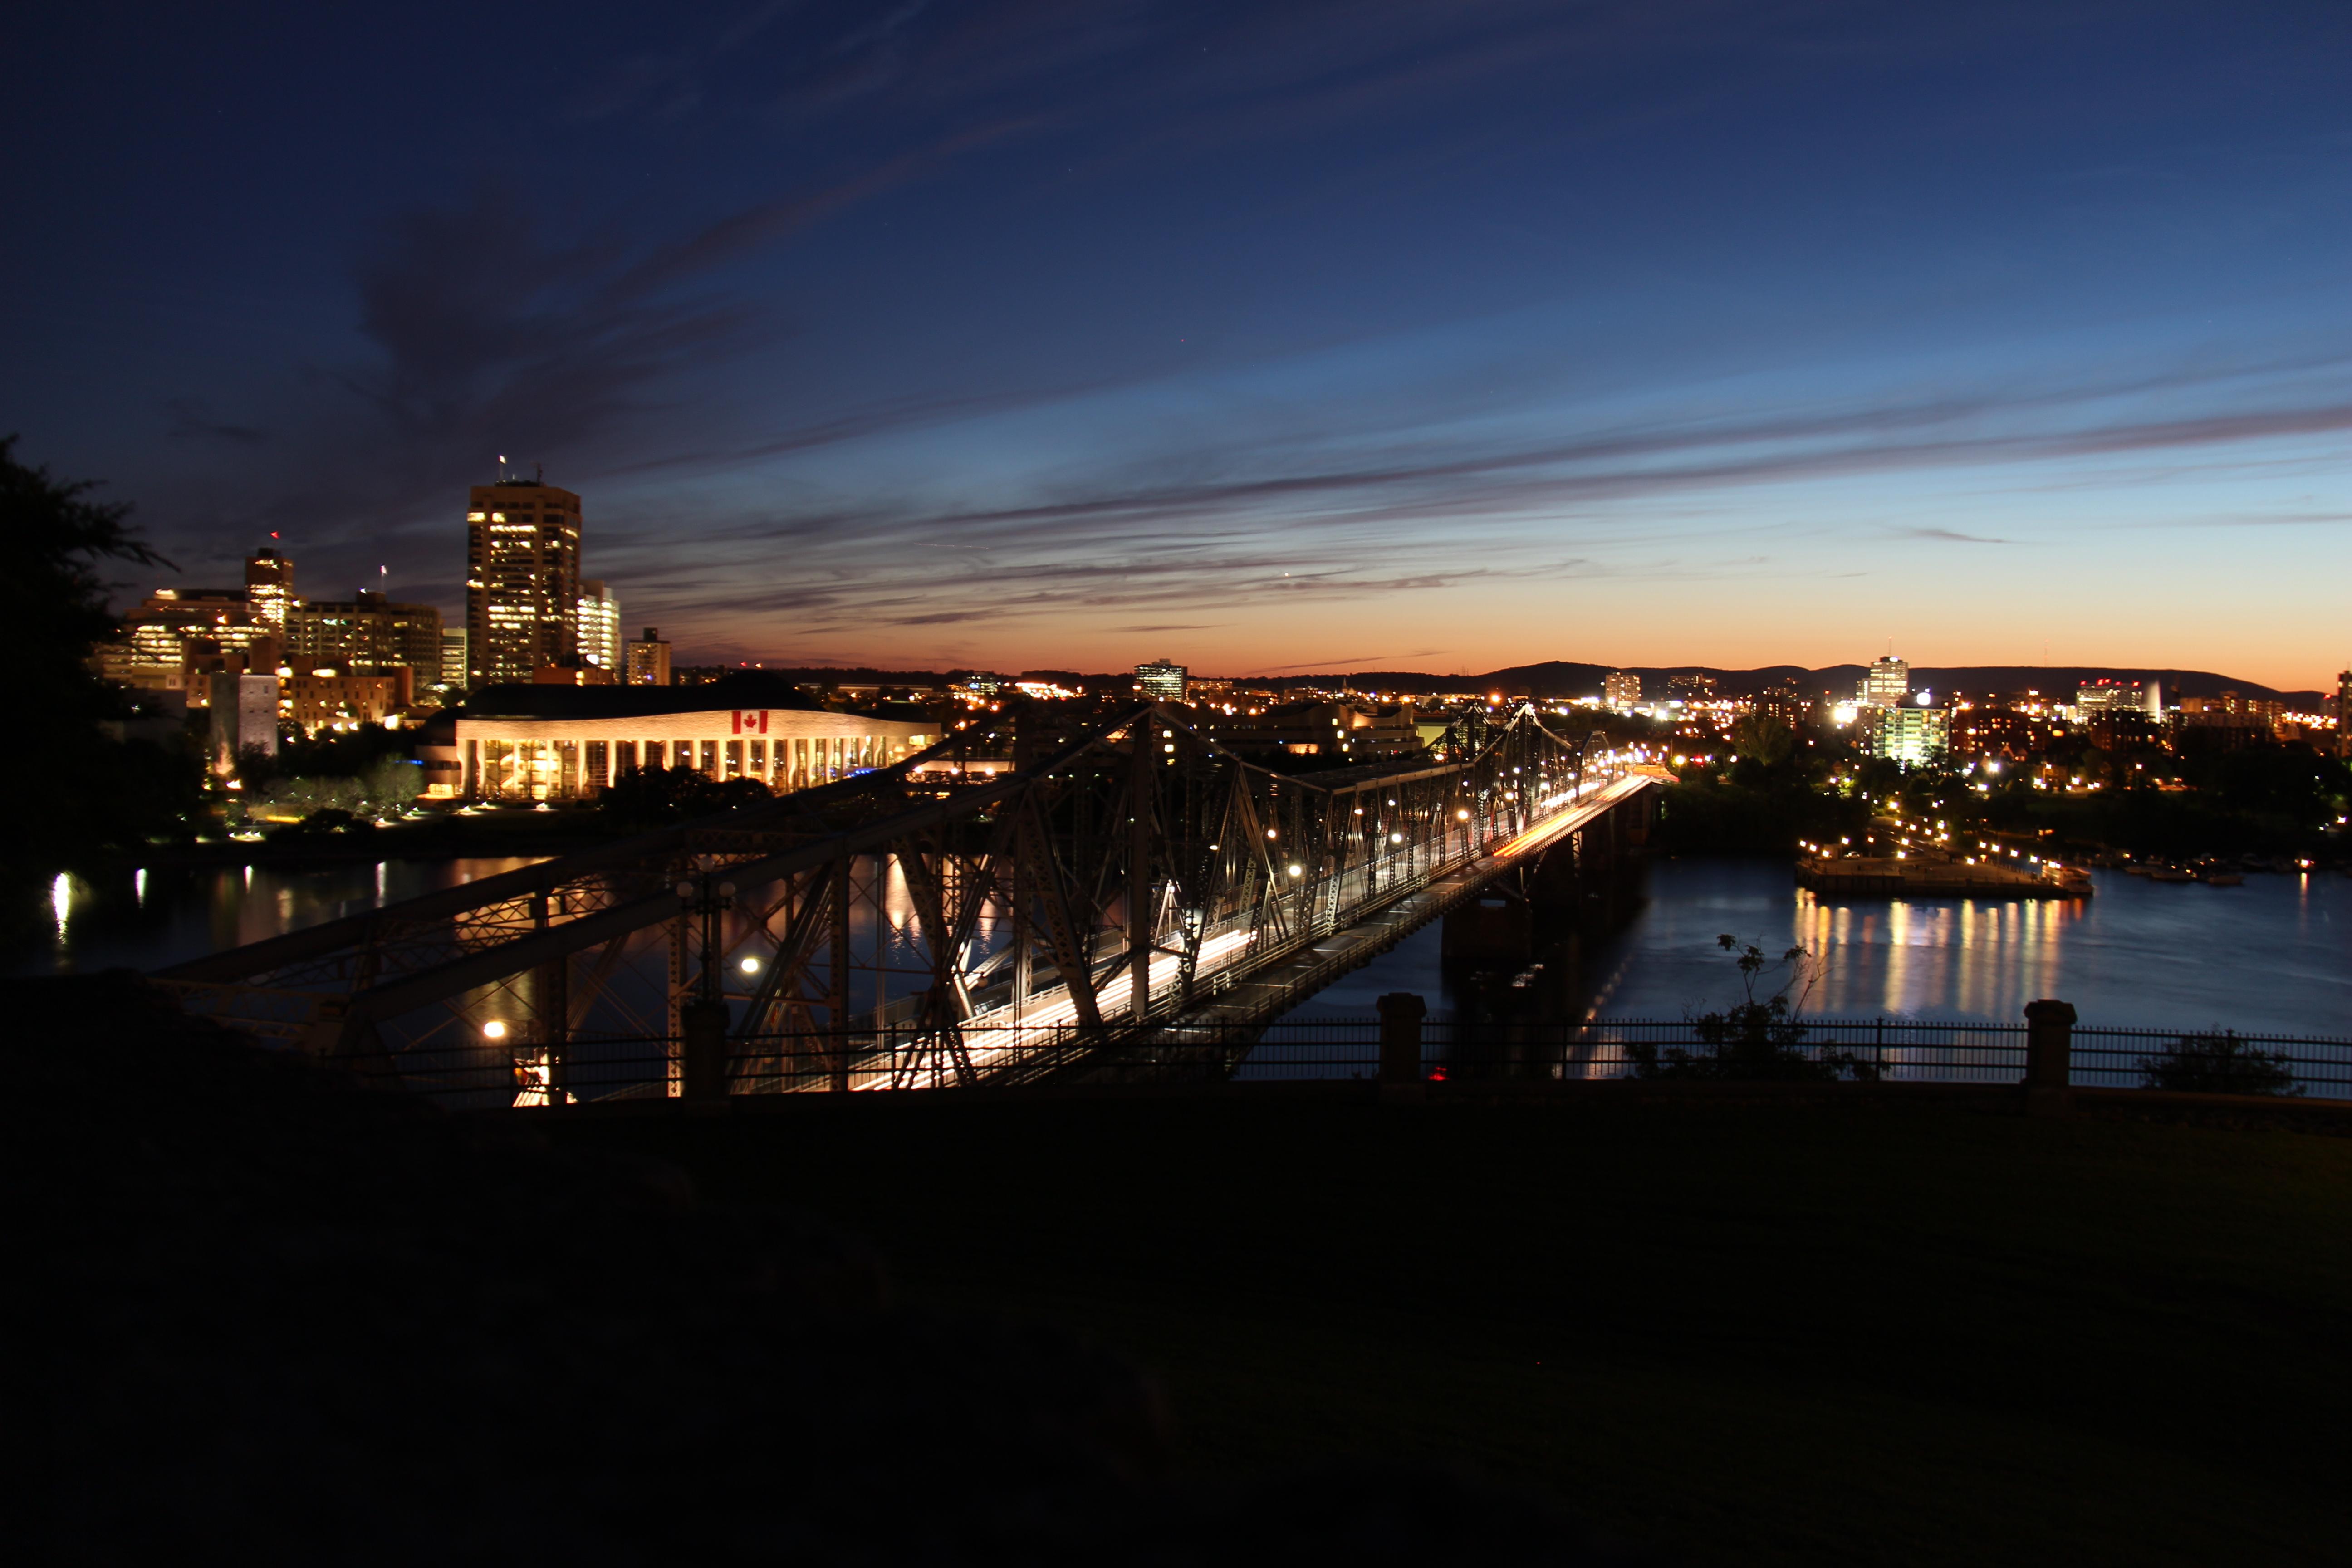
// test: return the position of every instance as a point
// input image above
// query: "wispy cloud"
(1950, 535)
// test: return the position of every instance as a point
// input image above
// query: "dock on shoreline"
(1887, 877)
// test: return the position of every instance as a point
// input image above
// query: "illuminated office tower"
(269, 587)
(1160, 680)
(1621, 690)
(1887, 684)
(599, 625)
(523, 580)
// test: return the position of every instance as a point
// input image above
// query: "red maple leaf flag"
(750, 721)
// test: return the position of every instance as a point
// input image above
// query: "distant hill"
(1560, 678)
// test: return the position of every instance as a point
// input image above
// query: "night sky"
(1271, 336)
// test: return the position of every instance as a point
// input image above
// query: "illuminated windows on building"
(523, 580)
(1887, 684)
(599, 625)
(1910, 735)
(269, 587)
(366, 635)
(648, 659)
(1160, 680)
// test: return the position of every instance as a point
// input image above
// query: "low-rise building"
(2094, 697)
(568, 742)
(1307, 729)
(341, 700)
(244, 717)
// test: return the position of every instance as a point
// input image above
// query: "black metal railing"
(1885, 1051)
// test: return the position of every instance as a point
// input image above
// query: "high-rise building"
(1160, 680)
(648, 659)
(1621, 692)
(600, 626)
(269, 587)
(523, 580)
(452, 656)
(1886, 685)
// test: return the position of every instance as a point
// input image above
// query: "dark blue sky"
(1439, 336)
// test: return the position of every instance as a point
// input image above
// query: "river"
(145, 920)
(2274, 956)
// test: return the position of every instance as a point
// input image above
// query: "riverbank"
(443, 833)
(1892, 876)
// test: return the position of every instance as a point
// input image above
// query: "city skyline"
(1262, 340)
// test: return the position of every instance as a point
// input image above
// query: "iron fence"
(1885, 1051)
(2311, 1065)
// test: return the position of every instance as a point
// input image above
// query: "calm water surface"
(2274, 956)
(147, 920)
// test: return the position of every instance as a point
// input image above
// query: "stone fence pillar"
(703, 1053)
(1401, 1015)
(2049, 1058)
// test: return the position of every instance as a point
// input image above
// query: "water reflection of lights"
(1989, 958)
(61, 897)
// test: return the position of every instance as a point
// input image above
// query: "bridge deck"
(1276, 988)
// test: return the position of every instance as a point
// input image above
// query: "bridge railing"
(1888, 1050)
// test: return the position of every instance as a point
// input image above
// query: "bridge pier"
(1514, 956)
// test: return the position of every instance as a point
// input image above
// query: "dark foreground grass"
(1739, 1334)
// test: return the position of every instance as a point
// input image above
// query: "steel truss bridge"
(1142, 900)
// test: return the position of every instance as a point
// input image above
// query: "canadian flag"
(750, 721)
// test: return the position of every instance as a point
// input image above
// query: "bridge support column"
(1401, 1015)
